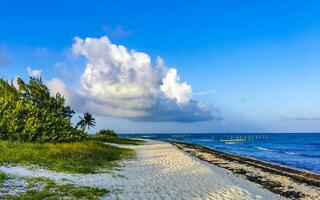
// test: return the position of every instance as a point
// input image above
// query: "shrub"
(107, 132)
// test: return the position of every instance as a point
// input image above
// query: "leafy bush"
(30, 114)
(107, 132)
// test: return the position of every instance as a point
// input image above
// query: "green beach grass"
(116, 140)
(75, 157)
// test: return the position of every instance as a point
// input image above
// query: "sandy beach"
(159, 171)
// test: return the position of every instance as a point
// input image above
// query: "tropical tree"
(29, 113)
(38, 93)
(86, 121)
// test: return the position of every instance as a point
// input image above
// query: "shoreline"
(285, 181)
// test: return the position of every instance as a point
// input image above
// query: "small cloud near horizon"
(299, 117)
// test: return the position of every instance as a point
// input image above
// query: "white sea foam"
(204, 140)
(264, 149)
(290, 153)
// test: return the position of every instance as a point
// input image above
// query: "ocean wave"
(204, 140)
(284, 152)
(229, 142)
(291, 153)
(263, 149)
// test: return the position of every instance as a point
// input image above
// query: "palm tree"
(86, 121)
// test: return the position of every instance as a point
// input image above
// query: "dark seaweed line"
(308, 178)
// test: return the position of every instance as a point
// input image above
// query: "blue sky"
(257, 63)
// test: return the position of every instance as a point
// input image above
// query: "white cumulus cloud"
(173, 88)
(126, 83)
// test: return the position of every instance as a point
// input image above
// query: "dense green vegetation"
(73, 157)
(30, 114)
(36, 129)
(107, 132)
(116, 140)
(110, 136)
(51, 190)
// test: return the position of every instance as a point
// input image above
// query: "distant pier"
(242, 138)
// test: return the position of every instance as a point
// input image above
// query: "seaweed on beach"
(240, 165)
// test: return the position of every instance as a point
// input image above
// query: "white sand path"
(161, 171)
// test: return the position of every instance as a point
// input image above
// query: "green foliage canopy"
(30, 114)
